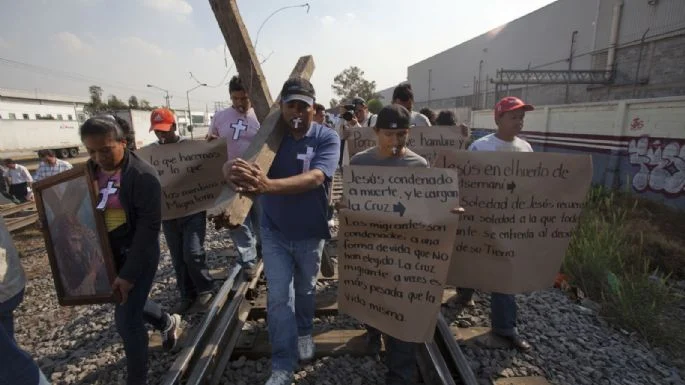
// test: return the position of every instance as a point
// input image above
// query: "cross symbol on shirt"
(105, 192)
(238, 128)
(306, 158)
(296, 122)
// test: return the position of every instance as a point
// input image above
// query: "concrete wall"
(538, 38)
(661, 70)
(635, 144)
(542, 40)
(637, 16)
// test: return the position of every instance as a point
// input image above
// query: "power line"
(219, 84)
(55, 73)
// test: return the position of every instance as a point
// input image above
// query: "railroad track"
(18, 216)
(220, 338)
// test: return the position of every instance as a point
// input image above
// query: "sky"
(122, 45)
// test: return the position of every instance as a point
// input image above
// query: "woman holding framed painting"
(101, 224)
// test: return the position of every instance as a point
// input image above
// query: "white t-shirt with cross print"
(237, 128)
(306, 158)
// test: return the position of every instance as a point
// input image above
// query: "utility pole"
(480, 72)
(189, 120)
(166, 97)
(570, 64)
(430, 73)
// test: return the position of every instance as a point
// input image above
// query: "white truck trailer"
(23, 138)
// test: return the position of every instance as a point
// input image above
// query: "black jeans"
(502, 311)
(186, 238)
(19, 191)
(400, 358)
(342, 153)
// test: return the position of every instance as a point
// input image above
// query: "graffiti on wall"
(661, 165)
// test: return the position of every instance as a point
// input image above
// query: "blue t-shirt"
(304, 215)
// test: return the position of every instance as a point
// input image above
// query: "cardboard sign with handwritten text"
(190, 174)
(397, 235)
(425, 141)
(521, 209)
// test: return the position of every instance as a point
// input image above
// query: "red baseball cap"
(161, 119)
(511, 103)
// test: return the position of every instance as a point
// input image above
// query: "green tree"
(133, 102)
(375, 105)
(334, 103)
(113, 103)
(145, 105)
(95, 106)
(351, 83)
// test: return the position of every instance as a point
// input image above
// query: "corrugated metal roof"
(37, 95)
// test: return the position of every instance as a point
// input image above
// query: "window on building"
(38, 116)
(12, 116)
(59, 117)
(26, 116)
(81, 118)
(70, 117)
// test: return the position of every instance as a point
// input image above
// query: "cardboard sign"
(425, 141)
(521, 210)
(397, 235)
(190, 174)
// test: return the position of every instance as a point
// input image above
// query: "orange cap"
(161, 119)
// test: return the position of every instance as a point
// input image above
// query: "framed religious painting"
(75, 238)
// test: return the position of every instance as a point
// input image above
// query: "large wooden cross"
(264, 145)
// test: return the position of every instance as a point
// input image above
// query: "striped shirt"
(45, 170)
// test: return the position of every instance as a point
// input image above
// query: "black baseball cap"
(393, 116)
(298, 89)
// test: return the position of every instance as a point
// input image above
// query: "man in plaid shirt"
(50, 165)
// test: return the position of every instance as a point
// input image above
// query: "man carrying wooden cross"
(238, 124)
(294, 198)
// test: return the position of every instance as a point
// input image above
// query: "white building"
(642, 41)
(33, 120)
(36, 105)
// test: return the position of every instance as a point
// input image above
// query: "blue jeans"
(7, 313)
(246, 236)
(291, 268)
(186, 238)
(502, 312)
(400, 357)
(130, 321)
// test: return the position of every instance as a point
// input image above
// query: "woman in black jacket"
(130, 201)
